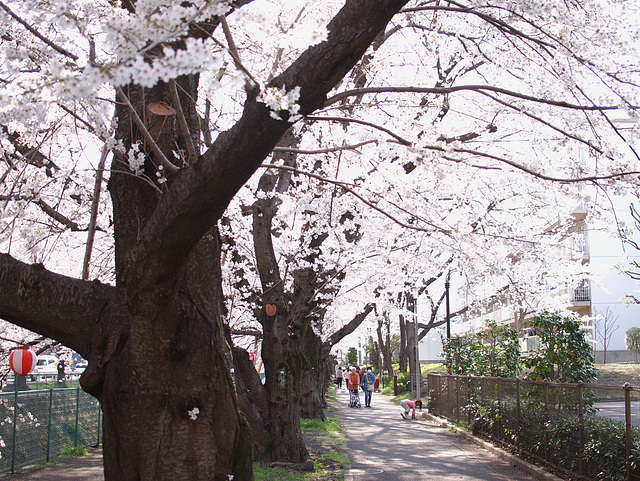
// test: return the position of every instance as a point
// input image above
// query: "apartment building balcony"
(581, 294)
(581, 299)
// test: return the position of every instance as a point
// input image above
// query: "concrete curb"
(520, 463)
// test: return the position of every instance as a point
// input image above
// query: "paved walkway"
(79, 468)
(383, 446)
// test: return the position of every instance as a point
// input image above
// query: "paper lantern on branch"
(22, 360)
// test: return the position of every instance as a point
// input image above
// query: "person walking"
(361, 374)
(339, 376)
(353, 385)
(368, 385)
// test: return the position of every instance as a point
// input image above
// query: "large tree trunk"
(314, 378)
(252, 399)
(172, 363)
(283, 371)
(385, 344)
(282, 332)
(166, 391)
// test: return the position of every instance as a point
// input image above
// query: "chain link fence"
(39, 425)
(588, 431)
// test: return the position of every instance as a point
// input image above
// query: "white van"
(46, 365)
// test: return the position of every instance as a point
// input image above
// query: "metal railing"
(589, 431)
(582, 293)
(39, 425)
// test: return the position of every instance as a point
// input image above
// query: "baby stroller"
(354, 399)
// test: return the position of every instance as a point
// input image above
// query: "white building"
(602, 295)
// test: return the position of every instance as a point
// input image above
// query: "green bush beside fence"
(39, 425)
(559, 424)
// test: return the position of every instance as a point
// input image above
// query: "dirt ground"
(618, 374)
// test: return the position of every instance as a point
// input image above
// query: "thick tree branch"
(351, 326)
(199, 194)
(56, 306)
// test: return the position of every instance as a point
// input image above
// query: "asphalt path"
(616, 410)
(382, 446)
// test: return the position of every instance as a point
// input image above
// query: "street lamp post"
(446, 290)
(416, 348)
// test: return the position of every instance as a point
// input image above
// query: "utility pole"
(446, 290)
(418, 376)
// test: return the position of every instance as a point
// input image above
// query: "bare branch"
(233, 51)
(91, 230)
(326, 150)
(57, 216)
(401, 140)
(544, 122)
(469, 88)
(26, 25)
(539, 175)
(373, 206)
(145, 133)
(191, 150)
(31, 155)
(246, 332)
(47, 209)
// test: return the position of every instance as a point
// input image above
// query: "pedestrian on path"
(368, 384)
(339, 376)
(353, 384)
(407, 405)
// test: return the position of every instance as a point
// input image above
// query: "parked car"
(46, 365)
(79, 366)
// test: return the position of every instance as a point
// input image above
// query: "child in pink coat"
(407, 404)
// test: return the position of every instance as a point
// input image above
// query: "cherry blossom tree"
(436, 134)
(155, 341)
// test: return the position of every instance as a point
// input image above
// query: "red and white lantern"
(22, 360)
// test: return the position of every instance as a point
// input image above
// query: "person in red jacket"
(353, 385)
